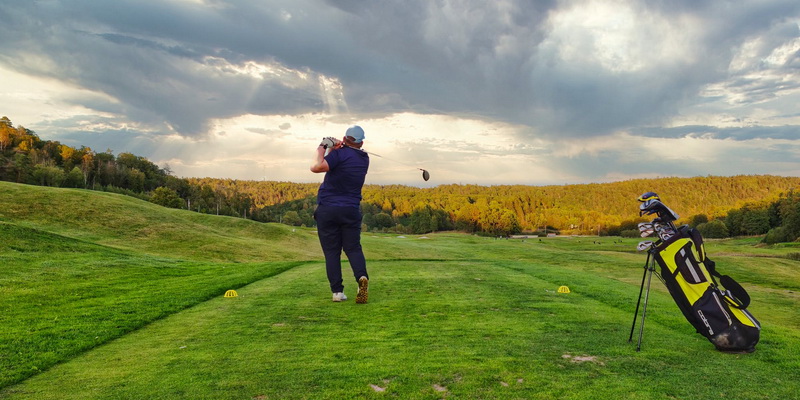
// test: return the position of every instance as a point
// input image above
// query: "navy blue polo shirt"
(344, 179)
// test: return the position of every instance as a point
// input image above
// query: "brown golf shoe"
(363, 293)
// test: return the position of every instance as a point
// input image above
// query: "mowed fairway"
(93, 311)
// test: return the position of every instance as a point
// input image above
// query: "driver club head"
(425, 175)
(648, 196)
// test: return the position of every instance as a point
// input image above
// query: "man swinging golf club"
(338, 212)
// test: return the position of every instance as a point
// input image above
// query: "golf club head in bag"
(664, 231)
(648, 196)
(655, 206)
(646, 229)
(644, 245)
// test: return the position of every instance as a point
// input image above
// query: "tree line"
(25, 158)
(745, 205)
(776, 218)
(778, 221)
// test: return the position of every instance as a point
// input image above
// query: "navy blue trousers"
(339, 229)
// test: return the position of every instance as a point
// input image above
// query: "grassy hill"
(124, 222)
(80, 268)
(104, 296)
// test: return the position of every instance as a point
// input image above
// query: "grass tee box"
(100, 313)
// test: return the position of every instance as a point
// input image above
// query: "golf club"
(425, 174)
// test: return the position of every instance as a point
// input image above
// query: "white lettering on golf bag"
(705, 322)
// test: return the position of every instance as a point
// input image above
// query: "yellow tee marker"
(563, 289)
(231, 293)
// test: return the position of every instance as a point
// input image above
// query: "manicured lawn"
(91, 310)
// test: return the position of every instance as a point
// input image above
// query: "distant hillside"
(570, 208)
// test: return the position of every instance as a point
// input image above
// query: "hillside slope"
(79, 268)
(124, 222)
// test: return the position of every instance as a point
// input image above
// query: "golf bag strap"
(734, 293)
(711, 266)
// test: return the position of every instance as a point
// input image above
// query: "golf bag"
(715, 304)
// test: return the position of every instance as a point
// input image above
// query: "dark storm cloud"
(139, 54)
(170, 65)
(157, 60)
(447, 56)
(463, 69)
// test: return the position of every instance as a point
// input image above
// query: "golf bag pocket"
(728, 328)
(711, 315)
(688, 265)
(681, 270)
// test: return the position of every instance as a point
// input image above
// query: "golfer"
(338, 212)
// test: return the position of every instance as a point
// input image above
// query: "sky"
(491, 93)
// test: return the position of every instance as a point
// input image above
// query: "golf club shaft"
(425, 174)
(386, 158)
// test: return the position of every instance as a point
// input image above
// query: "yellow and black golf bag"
(715, 304)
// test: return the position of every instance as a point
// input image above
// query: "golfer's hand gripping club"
(329, 143)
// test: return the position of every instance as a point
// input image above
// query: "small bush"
(776, 235)
(715, 229)
(698, 219)
(629, 233)
(166, 197)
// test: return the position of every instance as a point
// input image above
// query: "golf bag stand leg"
(639, 300)
(649, 269)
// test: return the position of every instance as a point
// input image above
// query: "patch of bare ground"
(582, 359)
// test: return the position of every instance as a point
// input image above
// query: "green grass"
(93, 309)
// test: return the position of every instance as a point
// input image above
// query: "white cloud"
(620, 36)
(451, 149)
(763, 68)
(29, 100)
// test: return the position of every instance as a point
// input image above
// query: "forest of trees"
(718, 206)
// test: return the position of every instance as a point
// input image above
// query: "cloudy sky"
(477, 92)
